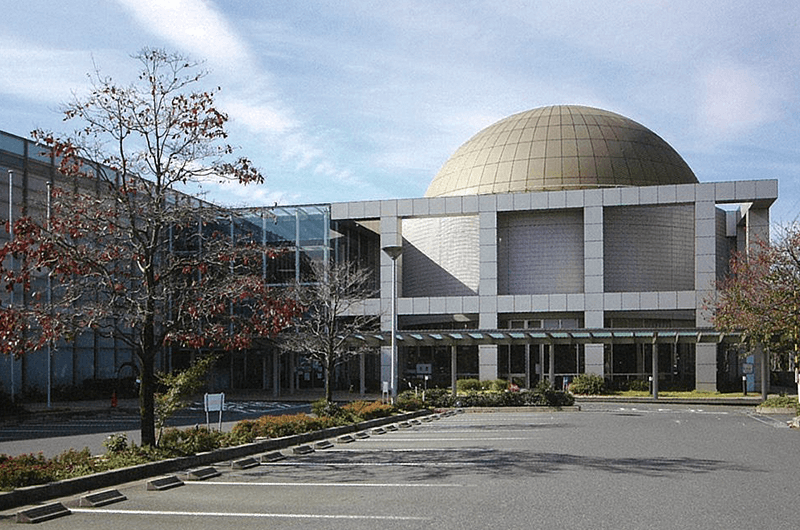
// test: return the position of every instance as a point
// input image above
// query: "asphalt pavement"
(610, 466)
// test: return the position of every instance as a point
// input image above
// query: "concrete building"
(583, 234)
(558, 241)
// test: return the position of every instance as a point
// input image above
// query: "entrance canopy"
(541, 336)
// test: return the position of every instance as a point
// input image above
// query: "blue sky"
(349, 100)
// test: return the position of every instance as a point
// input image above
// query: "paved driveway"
(607, 467)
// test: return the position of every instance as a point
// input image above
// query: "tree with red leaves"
(122, 253)
(760, 298)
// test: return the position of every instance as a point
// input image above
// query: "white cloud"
(734, 99)
(27, 71)
(251, 101)
(258, 117)
(192, 24)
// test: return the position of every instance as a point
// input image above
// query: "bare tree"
(332, 305)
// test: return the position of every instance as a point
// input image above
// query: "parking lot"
(607, 466)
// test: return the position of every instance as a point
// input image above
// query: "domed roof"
(559, 148)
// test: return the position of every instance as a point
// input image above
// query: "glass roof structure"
(539, 336)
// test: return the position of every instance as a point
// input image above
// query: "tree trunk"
(147, 401)
(764, 374)
(328, 385)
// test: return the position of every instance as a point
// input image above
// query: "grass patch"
(780, 402)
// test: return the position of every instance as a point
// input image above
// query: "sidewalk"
(131, 406)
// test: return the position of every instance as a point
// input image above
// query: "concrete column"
(757, 230)
(705, 277)
(594, 355)
(706, 367)
(487, 290)
(593, 271)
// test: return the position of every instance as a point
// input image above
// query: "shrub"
(323, 407)
(589, 384)
(25, 470)
(190, 441)
(782, 402)
(439, 398)
(639, 385)
(495, 385)
(410, 400)
(465, 385)
(547, 395)
(278, 426)
(368, 410)
(116, 443)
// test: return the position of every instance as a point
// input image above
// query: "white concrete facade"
(593, 302)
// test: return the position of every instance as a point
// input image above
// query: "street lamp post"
(393, 251)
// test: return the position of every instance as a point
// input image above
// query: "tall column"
(593, 277)
(757, 230)
(705, 277)
(487, 290)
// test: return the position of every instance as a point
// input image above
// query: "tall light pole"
(11, 264)
(393, 251)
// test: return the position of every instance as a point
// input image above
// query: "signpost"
(214, 403)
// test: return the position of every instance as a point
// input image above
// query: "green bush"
(179, 442)
(639, 385)
(495, 385)
(588, 384)
(410, 400)
(323, 407)
(279, 426)
(465, 385)
(782, 402)
(116, 443)
(367, 410)
(439, 398)
(542, 395)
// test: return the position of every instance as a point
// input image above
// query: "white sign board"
(214, 403)
(424, 369)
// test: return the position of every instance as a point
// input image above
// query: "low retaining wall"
(73, 486)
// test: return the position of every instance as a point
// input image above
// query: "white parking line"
(368, 464)
(465, 439)
(385, 450)
(326, 484)
(253, 515)
(772, 422)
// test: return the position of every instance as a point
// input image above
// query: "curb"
(63, 488)
(738, 402)
(789, 411)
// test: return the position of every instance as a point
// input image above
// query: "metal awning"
(542, 336)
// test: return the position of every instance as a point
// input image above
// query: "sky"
(345, 100)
